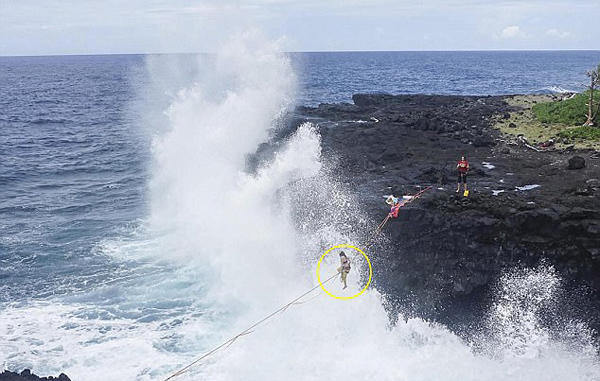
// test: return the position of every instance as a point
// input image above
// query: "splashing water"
(222, 248)
(515, 317)
(521, 330)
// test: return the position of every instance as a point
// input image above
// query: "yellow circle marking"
(319, 272)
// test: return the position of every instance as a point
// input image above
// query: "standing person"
(344, 269)
(463, 169)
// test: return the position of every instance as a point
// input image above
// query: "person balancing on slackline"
(344, 269)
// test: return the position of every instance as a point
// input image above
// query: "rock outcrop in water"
(26, 375)
(446, 252)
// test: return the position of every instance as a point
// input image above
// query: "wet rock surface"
(443, 256)
(26, 375)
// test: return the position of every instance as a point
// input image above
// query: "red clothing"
(394, 210)
(463, 166)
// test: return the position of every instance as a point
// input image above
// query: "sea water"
(133, 239)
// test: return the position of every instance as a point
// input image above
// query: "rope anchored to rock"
(371, 240)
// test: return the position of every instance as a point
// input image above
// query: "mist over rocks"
(443, 256)
(26, 375)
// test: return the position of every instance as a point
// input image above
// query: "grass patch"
(524, 122)
(570, 111)
(583, 133)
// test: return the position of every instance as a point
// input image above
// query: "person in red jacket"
(463, 169)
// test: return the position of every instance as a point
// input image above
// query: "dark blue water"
(72, 169)
(334, 77)
(74, 162)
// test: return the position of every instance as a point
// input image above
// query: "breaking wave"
(222, 247)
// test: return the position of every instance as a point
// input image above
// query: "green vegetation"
(570, 111)
(524, 123)
(583, 133)
(541, 118)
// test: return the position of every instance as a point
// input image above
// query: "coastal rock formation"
(444, 255)
(576, 162)
(26, 375)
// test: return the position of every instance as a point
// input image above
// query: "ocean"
(132, 239)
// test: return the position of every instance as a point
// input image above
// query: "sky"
(53, 27)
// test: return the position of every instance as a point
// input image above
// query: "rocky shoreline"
(446, 252)
(442, 257)
(26, 375)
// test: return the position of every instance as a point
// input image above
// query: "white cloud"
(114, 26)
(512, 31)
(553, 32)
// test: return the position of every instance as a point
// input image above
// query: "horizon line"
(304, 52)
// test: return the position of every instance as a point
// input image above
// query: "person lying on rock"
(344, 269)
(396, 203)
(394, 210)
(463, 169)
(391, 200)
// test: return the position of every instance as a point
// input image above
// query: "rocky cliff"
(445, 253)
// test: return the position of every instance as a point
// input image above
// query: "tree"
(594, 76)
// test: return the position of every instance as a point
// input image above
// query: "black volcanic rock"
(443, 255)
(576, 162)
(26, 375)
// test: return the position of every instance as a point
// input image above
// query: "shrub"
(584, 133)
(570, 111)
